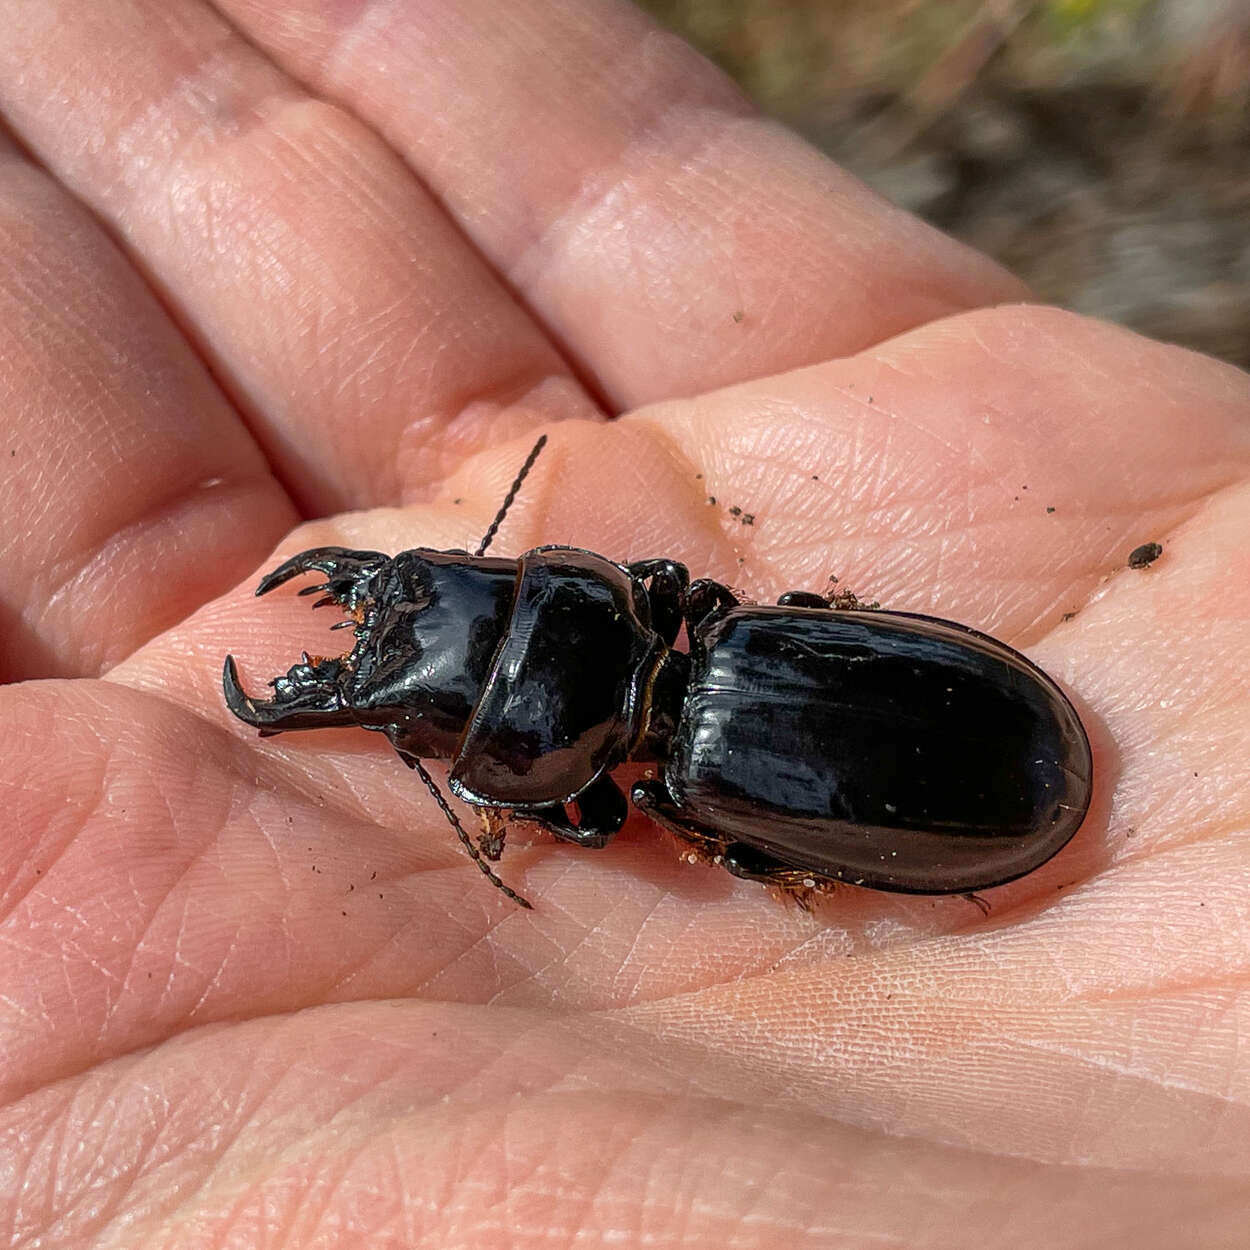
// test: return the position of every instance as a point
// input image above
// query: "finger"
(367, 342)
(995, 468)
(458, 1125)
(130, 492)
(670, 236)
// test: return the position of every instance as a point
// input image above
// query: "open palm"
(283, 273)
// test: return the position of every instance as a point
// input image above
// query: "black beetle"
(801, 744)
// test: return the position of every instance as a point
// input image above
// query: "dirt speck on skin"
(1145, 555)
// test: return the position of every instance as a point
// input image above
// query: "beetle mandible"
(801, 744)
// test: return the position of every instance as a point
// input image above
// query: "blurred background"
(1099, 148)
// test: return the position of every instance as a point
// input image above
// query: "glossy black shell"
(795, 744)
(563, 695)
(893, 751)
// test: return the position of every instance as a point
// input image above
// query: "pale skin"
(252, 993)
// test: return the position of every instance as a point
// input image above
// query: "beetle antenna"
(452, 819)
(510, 498)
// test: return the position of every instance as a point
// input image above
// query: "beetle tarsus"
(982, 905)
(846, 600)
(494, 832)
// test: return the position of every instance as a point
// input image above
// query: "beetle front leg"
(602, 810)
(667, 581)
(703, 597)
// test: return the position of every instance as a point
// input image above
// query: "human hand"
(252, 992)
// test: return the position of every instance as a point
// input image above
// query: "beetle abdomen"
(894, 751)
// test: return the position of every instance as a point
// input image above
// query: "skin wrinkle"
(40, 881)
(210, 84)
(217, 106)
(1065, 601)
(720, 552)
(57, 1139)
(120, 978)
(674, 112)
(250, 1110)
(95, 377)
(219, 1148)
(64, 575)
(486, 941)
(1214, 1104)
(876, 1047)
(536, 978)
(629, 992)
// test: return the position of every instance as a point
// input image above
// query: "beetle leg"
(978, 902)
(653, 798)
(797, 884)
(839, 600)
(494, 833)
(602, 809)
(704, 597)
(667, 582)
(846, 600)
(747, 862)
(802, 599)
(752, 864)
